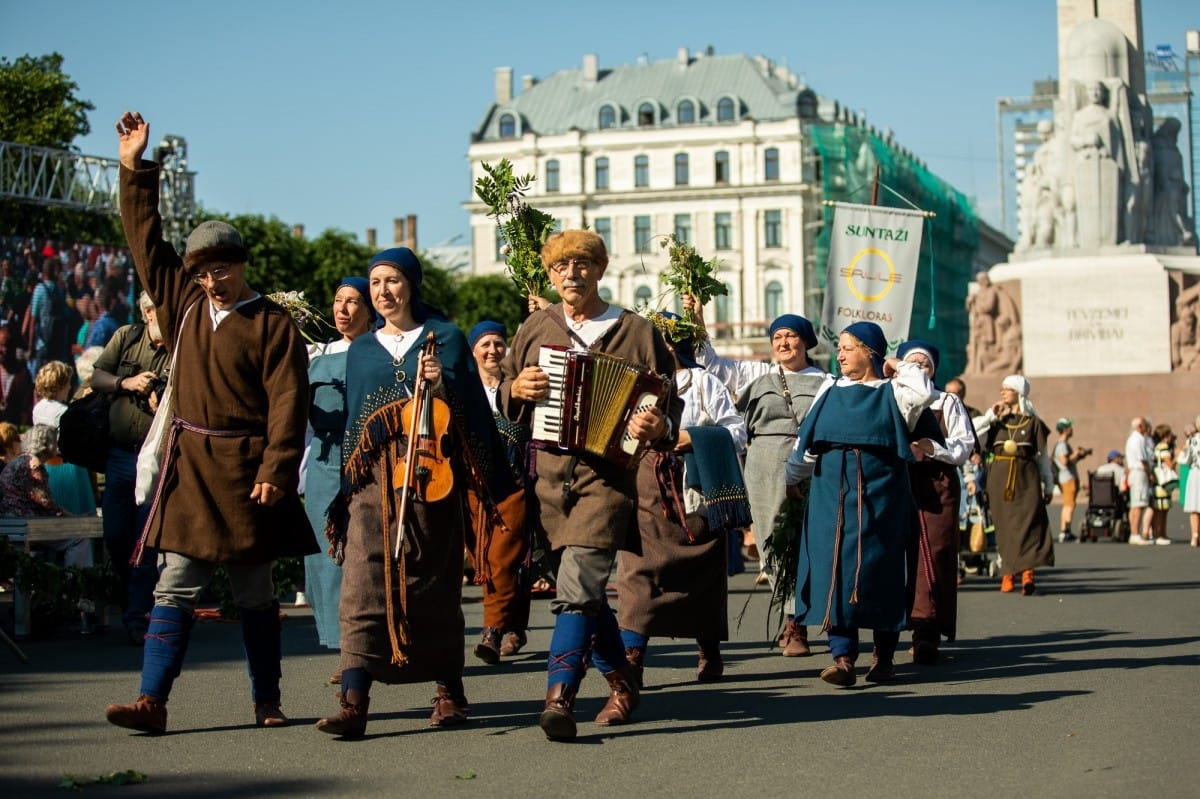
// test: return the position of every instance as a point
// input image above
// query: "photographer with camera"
(133, 369)
(1066, 459)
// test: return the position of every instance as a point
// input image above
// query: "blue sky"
(348, 114)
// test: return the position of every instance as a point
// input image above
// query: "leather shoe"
(1027, 584)
(623, 697)
(448, 710)
(269, 714)
(925, 652)
(635, 656)
(1006, 584)
(558, 716)
(146, 714)
(841, 673)
(881, 670)
(488, 648)
(351, 721)
(794, 640)
(511, 643)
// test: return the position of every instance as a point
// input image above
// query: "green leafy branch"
(688, 273)
(126, 777)
(523, 227)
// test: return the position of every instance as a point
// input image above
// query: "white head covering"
(1021, 386)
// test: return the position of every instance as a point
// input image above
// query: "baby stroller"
(1106, 512)
(977, 551)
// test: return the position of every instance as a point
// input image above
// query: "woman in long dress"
(1020, 483)
(677, 584)
(856, 550)
(352, 317)
(401, 617)
(773, 398)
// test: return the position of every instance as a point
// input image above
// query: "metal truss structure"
(65, 179)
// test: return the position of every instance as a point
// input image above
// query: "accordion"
(592, 398)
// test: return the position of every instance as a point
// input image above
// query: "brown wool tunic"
(603, 496)
(250, 374)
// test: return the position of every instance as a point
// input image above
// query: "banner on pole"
(872, 272)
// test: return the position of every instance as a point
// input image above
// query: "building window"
(608, 117)
(773, 299)
(645, 115)
(771, 164)
(721, 167)
(641, 297)
(685, 113)
(641, 234)
(726, 110)
(603, 228)
(683, 228)
(508, 126)
(722, 306)
(723, 230)
(773, 230)
(552, 175)
(641, 171)
(601, 173)
(681, 169)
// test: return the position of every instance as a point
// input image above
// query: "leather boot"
(882, 670)
(448, 710)
(794, 640)
(622, 698)
(269, 714)
(488, 648)
(1027, 584)
(635, 656)
(558, 716)
(841, 673)
(511, 643)
(351, 722)
(147, 714)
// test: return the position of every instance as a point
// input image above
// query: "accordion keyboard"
(547, 421)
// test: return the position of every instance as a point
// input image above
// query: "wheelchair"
(1107, 516)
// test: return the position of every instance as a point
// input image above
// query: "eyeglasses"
(201, 276)
(582, 264)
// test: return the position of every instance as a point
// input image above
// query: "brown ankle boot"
(146, 714)
(794, 640)
(558, 716)
(1028, 587)
(622, 699)
(448, 710)
(710, 667)
(841, 673)
(488, 648)
(269, 714)
(351, 722)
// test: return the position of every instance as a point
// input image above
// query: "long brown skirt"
(674, 588)
(433, 558)
(936, 490)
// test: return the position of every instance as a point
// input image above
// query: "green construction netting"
(848, 156)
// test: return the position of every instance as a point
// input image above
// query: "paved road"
(1085, 690)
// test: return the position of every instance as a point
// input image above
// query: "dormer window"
(726, 110)
(508, 126)
(645, 115)
(608, 117)
(685, 112)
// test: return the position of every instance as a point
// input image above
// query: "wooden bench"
(31, 530)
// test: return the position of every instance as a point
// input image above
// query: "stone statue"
(1040, 209)
(1139, 187)
(1171, 227)
(1185, 350)
(994, 344)
(1097, 171)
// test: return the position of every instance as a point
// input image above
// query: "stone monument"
(1097, 305)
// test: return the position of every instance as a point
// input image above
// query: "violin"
(425, 474)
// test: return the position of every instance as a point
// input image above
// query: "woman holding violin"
(418, 433)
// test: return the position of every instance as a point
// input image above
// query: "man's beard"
(155, 332)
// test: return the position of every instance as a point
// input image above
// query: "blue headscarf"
(798, 325)
(363, 287)
(406, 261)
(484, 328)
(685, 348)
(916, 345)
(871, 335)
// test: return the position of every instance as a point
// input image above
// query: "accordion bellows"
(592, 398)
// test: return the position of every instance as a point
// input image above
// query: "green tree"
(38, 103)
(490, 297)
(335, 255)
